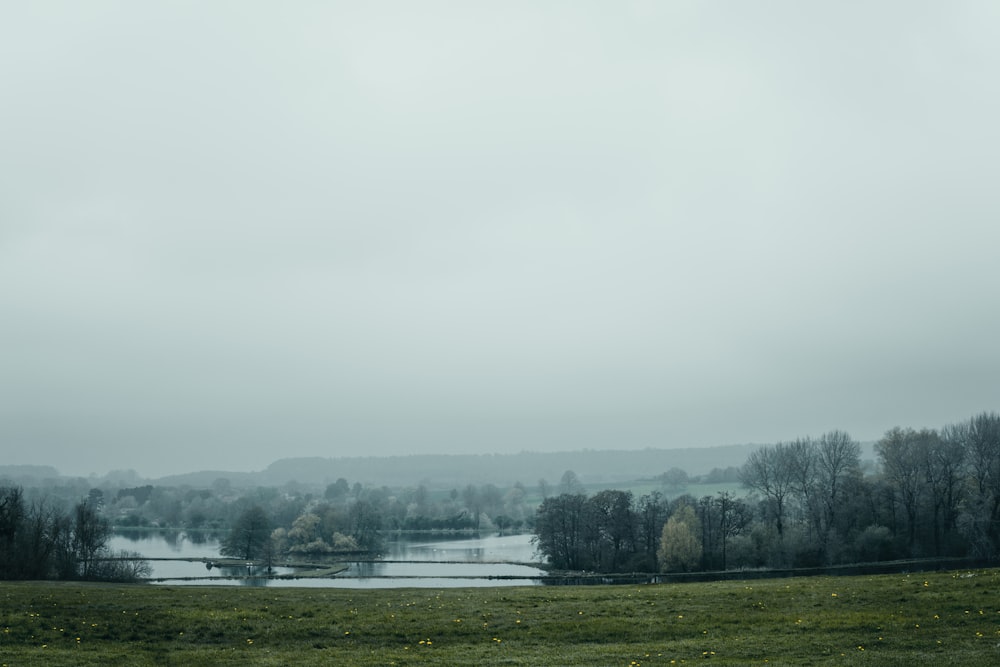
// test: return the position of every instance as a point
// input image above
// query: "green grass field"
(928, 618)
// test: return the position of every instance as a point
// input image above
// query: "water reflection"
(439, 561)
(167, 543)
(443, 547)
(424, 582)
(411, 569)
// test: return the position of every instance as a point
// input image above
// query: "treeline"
(613, 531)
(935, 493)
(296, 519)
(39, 541)
(609, 531)
(411, 508)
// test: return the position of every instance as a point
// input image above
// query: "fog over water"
(235, 233)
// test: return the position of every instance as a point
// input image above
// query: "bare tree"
(982, 446)
(90, 537)
(570, 483)
(903, 467)
(944, 465)
(12, 519)
(616, 523)
(838, 462)
(651, 515)
(559, 530)
(771, 472)
(734, 516)
(248, 536)
(804, 463)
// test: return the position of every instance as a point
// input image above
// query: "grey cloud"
(337, 228)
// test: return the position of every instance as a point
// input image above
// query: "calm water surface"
(427, 561)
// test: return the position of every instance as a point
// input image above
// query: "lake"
(426, 561)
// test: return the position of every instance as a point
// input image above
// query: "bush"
(121, 566)
(874, 543)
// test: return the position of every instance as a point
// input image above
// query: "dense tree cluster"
(811, 501)
(933, 493)
(609, 531)
(939, 492)
(612, 531)
(38, 541)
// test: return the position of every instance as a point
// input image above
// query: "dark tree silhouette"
(249, 535)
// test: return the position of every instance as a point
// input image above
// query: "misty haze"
(390, 229)
(443, 295)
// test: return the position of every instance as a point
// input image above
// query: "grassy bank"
(934, 618)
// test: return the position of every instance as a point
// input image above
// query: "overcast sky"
(232, 232)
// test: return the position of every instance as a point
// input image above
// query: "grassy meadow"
(904, 619)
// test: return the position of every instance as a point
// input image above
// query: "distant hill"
(205, 479)
(449, 471)
(27, 475)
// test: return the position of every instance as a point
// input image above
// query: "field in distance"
(903, 619)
